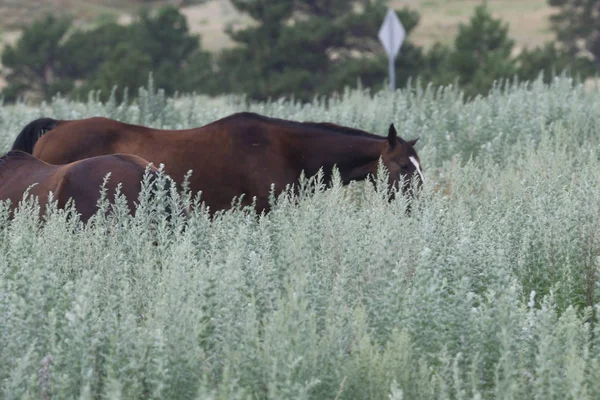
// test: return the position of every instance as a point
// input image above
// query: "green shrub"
(487, 289)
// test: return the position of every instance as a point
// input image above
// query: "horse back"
(75, 140)
(82, 180)
(21, 171)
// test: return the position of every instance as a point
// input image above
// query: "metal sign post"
(391, 35)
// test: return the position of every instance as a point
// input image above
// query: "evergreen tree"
(51, 56)
(165, 38)
(437, 66)
(308, 47)
(86, 51)
(35, 63)
(550, 61)
(577, 26)
(482, 52)
(126, 66)
(156, 41)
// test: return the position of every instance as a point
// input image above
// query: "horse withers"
(242, 154)
(80, 181)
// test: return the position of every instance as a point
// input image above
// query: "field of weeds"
(487, 290)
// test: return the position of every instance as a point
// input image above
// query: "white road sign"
(391, 35)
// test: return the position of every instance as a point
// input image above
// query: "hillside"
(528, 19)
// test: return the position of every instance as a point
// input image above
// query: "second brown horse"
(80, 181)
(242, 154)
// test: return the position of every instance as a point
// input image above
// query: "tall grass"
(488, 289)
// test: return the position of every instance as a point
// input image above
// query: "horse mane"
(342, 129)
(328, 126)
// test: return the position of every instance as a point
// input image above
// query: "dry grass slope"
(528, 19)
(16, 13)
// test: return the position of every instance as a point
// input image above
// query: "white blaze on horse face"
(417, 166)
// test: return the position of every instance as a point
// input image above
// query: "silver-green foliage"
(487, 289)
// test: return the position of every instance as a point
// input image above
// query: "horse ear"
(392, 136)
(413, 142)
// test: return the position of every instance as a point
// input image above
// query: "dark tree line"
(577, 26)
(298, 48)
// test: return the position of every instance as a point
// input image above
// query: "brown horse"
(243, 153)
(80, 180)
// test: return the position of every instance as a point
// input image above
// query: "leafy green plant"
(488, 289)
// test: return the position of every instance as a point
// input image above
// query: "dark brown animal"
(80, 180)
(243, 153)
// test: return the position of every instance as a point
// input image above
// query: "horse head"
(401, 160)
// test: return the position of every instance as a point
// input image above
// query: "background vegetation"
(489, 289)
(301, 49)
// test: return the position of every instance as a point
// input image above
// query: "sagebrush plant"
(487, 289)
